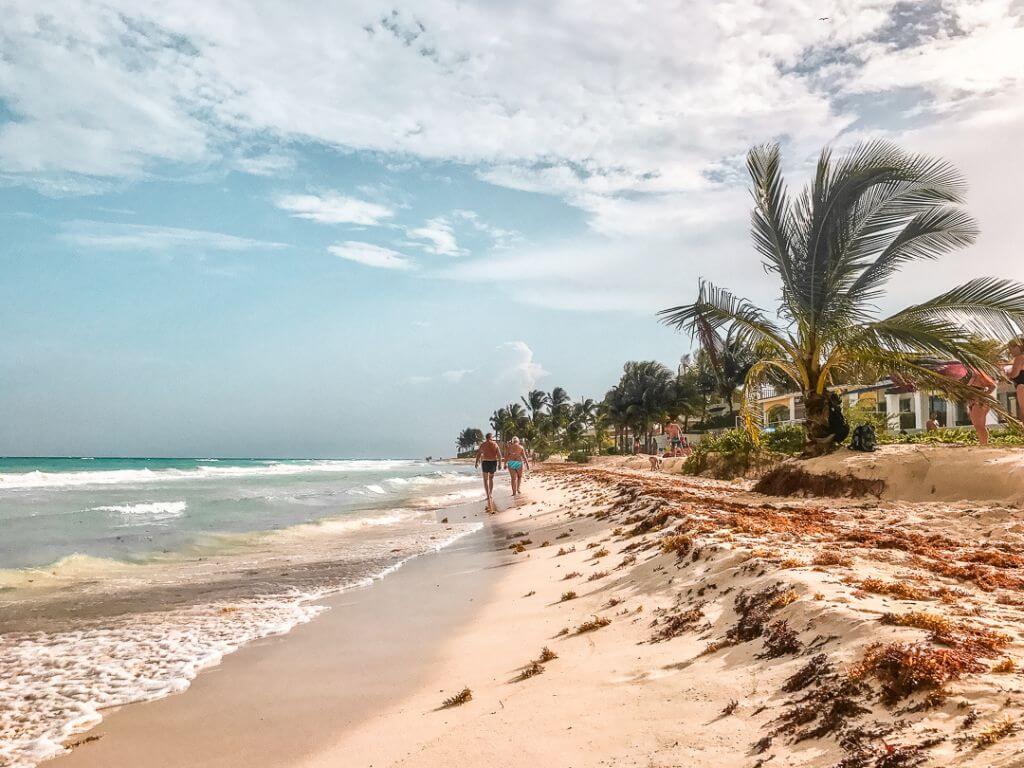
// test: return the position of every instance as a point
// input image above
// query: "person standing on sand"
(978, 409)
(515, 460)
(1016, 374)
(674, 434)
(489, 455)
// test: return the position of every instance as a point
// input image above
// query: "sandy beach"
(689, 621)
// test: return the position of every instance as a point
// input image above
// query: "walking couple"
(489, 457)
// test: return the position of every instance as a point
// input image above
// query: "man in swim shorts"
(488, 455)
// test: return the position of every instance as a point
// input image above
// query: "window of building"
(939, 405)
(908, 420)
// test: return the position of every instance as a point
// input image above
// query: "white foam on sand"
(55, 684)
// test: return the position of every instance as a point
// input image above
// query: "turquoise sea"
(121, 578)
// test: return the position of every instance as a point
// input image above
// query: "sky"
(329, 228)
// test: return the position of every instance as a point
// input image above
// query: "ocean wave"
(156, 510)
(39, 479)
(60, 682)
(450, 499)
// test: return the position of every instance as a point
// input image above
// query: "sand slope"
(742, 630)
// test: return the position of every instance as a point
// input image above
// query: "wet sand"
(278, 699)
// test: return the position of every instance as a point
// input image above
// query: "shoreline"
(344, 660)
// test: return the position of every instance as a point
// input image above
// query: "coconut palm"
(833, 249)
(469, 438)
(642, 398)
(536, 401)
(558, 408)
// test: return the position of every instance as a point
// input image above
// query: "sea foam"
(57, 683)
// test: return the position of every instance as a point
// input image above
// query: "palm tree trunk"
(819, 436)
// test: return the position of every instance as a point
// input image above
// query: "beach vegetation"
(833, 248)
(568, 595)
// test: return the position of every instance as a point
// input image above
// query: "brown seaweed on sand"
(460, 698)
(595, 623)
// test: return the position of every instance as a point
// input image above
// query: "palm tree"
(688, 401)
(499, 422)
(731, 358)
(536, 401)
(558, 405)
(469, 438)
(642, 398)
(833, 249)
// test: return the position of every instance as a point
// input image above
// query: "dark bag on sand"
(863, 438)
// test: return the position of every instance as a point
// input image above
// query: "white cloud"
(334, 209)
(643, 132)
(510, 368)
(266, 164)
(371, 255)
(456, 376)
(439, 237)
(138, 237)
(518, 366)
(500, 237)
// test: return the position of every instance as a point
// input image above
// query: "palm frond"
(989, 306)
(928, 235)
(858, 206)
(717, 308)
(772, 217)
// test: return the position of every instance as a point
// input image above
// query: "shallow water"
(121, 579)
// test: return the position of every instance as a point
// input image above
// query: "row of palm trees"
(832, 248)
(647, 395)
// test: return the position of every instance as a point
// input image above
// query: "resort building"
(904, 406)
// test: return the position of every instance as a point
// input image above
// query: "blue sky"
(352, 228)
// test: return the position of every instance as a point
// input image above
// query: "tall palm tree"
(536, 401)
(833, 249)
(499, 422)
(558, 407)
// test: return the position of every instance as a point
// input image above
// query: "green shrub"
(612, 451)
(738, 451)
(787, 438)
(953, 436)
(579, 457)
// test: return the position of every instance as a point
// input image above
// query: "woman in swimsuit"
(1016, 374)
(515, 460)
(978, 409)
